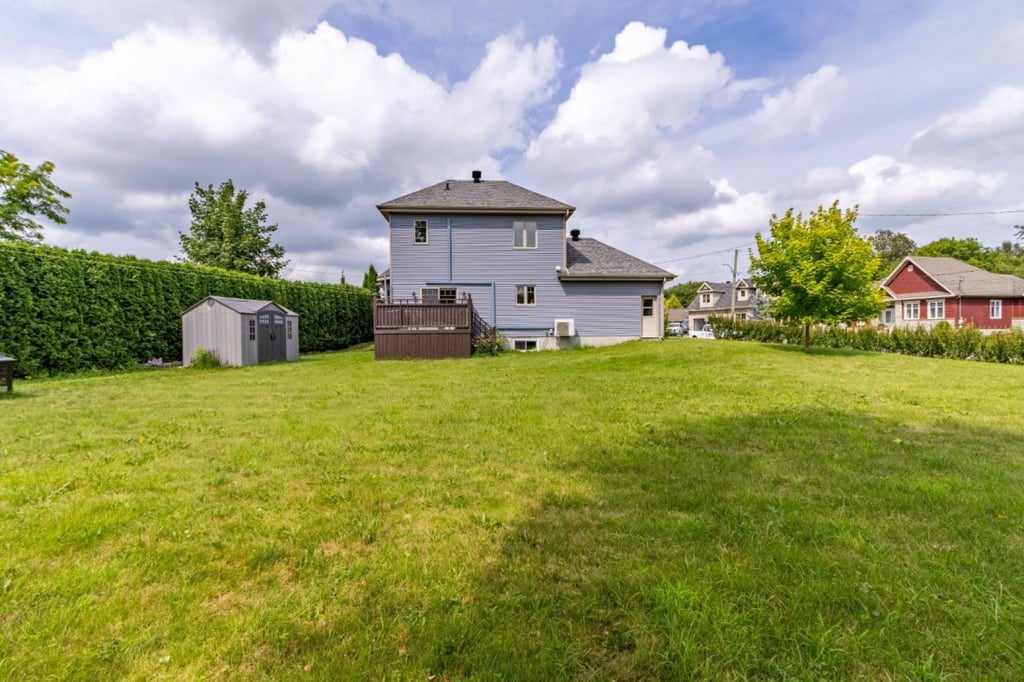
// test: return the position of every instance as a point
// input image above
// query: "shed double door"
(270, 337)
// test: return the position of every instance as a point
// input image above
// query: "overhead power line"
(939, 215)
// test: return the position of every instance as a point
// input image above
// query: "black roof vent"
(477, 175)
(575, 234)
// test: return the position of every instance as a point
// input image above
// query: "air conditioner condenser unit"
(565, 328)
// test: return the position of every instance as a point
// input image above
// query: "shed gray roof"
(245, 306)
(468, 196)
(961, 279)
(591, 259)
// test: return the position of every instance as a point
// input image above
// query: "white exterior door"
(650, 318)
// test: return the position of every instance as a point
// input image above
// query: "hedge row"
(64, 311)
(967, 343)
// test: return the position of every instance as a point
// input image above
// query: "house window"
(445, 295)
(889, 316)
(741, 293)
(264, 319)
(995, 309)
(525, 344)
(911, 311)
(419, 231)
(936, 310)
(289, 324)
(526, 294)
(252, 330)
(524, 235)
(705, 299)
(648, 306)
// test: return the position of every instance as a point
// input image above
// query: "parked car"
(705, 333)
(675, 329)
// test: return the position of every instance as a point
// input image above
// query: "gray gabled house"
(239, 331)
(722, 299)
(537, 283)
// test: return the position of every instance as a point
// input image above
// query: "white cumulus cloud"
(803, 108)
(993, 128)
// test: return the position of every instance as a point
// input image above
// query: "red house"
(923, 291)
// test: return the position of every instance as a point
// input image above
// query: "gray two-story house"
(538, 284)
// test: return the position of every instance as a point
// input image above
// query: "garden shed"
(239, 331)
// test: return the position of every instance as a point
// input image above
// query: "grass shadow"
(810, 544)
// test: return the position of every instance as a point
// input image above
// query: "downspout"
(449, 248)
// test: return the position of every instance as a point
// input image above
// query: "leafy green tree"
(818, 269)
(25, 192)
(370, 279)
(225, 234)
(685, 292)
(969, 250)
(892, 248)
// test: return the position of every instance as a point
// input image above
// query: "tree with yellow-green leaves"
(26, 193)
(818, 269)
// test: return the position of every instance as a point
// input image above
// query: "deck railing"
(418, 329)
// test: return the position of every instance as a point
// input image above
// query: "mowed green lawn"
(667, 510)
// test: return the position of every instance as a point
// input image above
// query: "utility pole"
(732, 296)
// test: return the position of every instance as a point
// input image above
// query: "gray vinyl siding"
(607, 308)
(484, 264)
(215, 328)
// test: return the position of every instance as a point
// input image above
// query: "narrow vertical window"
(524, 235)
(419, 231)
(252, 330)
(289, 323)
(995, 309)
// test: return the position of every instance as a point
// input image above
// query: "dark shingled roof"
(467, 196)
(959, 278)
(591, 259)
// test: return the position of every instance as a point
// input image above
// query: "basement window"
(524, 345)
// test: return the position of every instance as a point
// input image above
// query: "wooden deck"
(414, 329)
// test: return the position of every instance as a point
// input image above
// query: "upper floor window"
(419, 231)
(526, 294)
(936, 310)
(524, 235)
(741, 294)
(995, 309)
(911, 311)
(705, 299)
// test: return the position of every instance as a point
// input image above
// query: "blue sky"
(675, 128)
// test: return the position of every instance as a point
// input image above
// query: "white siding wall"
(213, 327)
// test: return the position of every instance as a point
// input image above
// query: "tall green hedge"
(967, 343)
(63, 311)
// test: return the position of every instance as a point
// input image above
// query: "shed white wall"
(291, 347)
(214, 327)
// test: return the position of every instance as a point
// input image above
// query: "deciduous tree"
(25, 193)
(226, 234)
(818, 269)
(892, 248)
